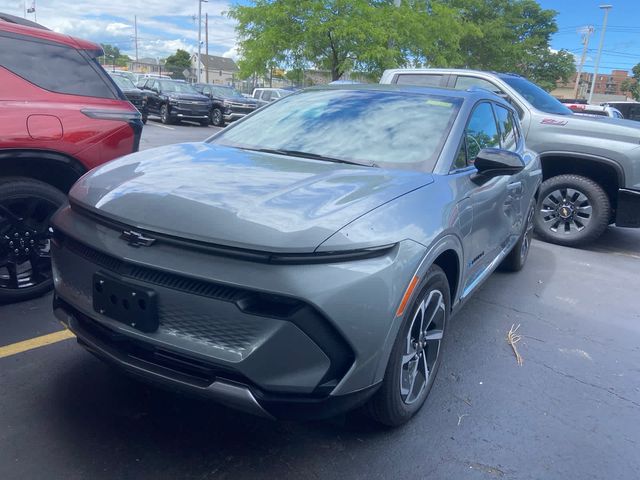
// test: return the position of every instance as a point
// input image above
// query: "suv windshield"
(176, 87)
(391, 129)
(227, 92)
(536, 96)
(123, 82)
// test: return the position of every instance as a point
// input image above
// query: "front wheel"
(164, 115)
(26, 207)
(216, 117)
(572, 210)
(415, 356)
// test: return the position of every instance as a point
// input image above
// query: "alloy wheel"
(25, 238)
(422, 347)
(566, 210)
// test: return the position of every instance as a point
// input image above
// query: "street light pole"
(606, 9)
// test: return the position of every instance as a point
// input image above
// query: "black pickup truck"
(228, 103)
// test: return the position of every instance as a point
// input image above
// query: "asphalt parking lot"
(571, 411)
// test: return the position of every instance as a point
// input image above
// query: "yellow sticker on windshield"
(439, 103)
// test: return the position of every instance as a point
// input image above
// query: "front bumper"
(189, 112)
(233, 116)
(628, 210)
(303, 340)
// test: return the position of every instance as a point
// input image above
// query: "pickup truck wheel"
(572, 210)
(216, 117)
(26, 207)
(164, 115)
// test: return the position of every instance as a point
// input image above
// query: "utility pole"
(199, 37)
(206, 44)
(606, 9)
(135, 26)
(586, 34)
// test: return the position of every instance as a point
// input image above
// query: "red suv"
(60, 115)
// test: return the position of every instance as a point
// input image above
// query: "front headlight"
(173, 101)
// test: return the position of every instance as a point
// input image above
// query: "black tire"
(17, 194)
(216, 117)
(388, 406)
(164, 115)
(572, 210)
(515, 261)
(145, 117)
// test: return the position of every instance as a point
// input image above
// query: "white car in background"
(594, 110)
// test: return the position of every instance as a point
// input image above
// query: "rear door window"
(56, 68)
(464, 83)
(421, 79)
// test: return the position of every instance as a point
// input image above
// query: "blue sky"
(621, 48)
(165, 25)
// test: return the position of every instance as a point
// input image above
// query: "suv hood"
(239, 198)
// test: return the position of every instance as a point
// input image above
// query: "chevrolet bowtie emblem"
(136, 239)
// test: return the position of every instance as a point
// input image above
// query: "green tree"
(344, 35)
(112, 55)
(632, 85)
(511, 36)
(178, 62)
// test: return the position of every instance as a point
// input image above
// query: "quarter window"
(55, 68)
(508, 129)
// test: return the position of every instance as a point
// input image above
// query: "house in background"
(215, 69)
(147, 65)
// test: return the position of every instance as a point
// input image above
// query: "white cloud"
(163, 25)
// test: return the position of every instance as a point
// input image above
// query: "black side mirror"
(494, 162)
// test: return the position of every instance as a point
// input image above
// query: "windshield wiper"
(312, 156)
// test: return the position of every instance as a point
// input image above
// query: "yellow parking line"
(36, 342)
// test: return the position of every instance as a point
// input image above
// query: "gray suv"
(591, 166)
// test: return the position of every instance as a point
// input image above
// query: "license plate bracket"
(125, 303)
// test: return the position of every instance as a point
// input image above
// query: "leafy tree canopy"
(371, 35)
(341, 35)
(178, 62)
(632, 85)
(112, 55)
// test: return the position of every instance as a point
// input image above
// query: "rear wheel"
(415, 356)
(520, 252)
(572, 210)
(26, 207)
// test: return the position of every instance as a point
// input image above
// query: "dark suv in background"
(133, 93)
(174, 100)
(228, 103)
(60, 116)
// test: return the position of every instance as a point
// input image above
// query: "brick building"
(606, 84)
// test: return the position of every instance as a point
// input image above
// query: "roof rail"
(21, 21)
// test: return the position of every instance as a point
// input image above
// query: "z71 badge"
(553, 121)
